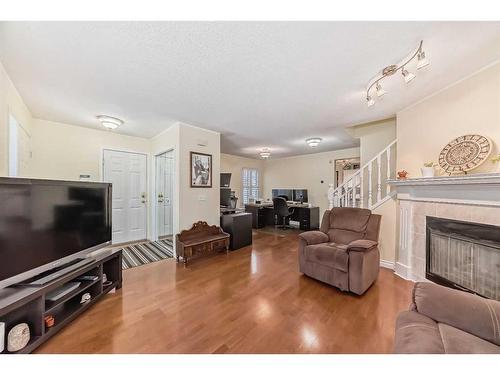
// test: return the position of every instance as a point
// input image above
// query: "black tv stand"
(30, 305)
(56, 273)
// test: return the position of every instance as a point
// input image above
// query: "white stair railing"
(357, 190)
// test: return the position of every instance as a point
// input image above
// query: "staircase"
(367, 188)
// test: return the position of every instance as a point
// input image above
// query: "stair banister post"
(370, 185)
(388, 187)
(379, 178)
(331, 196)
(361, 188)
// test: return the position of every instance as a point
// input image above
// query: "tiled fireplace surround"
(474, 198)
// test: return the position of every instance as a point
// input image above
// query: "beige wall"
(471, 106)
(234, 164)
(306, 172)
(198, 203)
(10, 102)
(62, 151)
(374, 137)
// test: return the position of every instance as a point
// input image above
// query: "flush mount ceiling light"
(392, 69)
(265, 153)
(313, 142)
(109, 122)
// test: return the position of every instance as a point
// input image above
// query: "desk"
(263, 214)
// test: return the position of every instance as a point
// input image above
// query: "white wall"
(198, 203)
(374, 137)
(62, 151)
(234, 164)
(472, 106)
(10, 102)
(306, 172)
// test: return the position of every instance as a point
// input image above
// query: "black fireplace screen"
(464, 255)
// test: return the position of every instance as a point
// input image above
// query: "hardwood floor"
(253, 300)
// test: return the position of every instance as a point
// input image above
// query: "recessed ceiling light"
(313, 142)
(110, 122)
(265, 153)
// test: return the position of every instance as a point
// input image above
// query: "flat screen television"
(45, 224)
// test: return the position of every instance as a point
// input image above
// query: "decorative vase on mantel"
(428, 170)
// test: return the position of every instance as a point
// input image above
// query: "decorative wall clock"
(465, 153)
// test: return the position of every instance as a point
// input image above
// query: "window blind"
(250, 182)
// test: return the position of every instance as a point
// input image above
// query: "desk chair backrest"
(280, 206)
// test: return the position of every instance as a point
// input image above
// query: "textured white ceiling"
(260, 84)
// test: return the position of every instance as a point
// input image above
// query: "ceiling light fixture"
(380, 90)
(392, 69)
(422, 60)
(265, 153)
(313, 142)
(408, 77)
(110, 122)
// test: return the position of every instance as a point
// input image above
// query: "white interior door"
(127, 172)
(164, 189)
(19, 149)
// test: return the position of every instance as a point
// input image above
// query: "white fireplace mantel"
(474, 198)
(476, 189)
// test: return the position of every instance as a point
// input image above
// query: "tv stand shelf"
(28, 304)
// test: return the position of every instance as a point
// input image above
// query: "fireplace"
(463, 255)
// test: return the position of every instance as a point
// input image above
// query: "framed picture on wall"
(201, 170)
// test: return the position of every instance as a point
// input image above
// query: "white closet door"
(127, 172)
(168, 225)
(24, 152)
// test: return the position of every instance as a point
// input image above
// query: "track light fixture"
(392, 69)
(422, 60)
(380, 90)
(408, 77)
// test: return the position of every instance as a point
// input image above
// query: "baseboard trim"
(387, 264)
(402, 271)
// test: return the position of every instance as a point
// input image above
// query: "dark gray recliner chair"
(344, 252)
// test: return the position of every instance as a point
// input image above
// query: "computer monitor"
(225, 179)
(285, 193)
(225, 197)
(300, 195)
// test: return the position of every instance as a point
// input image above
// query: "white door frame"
(154, 211)
(101, 176)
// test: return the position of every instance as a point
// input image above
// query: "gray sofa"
(444, 320)
(344, 252)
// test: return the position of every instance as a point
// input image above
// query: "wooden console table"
(200, 240)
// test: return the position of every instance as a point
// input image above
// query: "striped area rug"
(147, 252)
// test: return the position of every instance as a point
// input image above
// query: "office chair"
(285, 197)
(281, 209)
